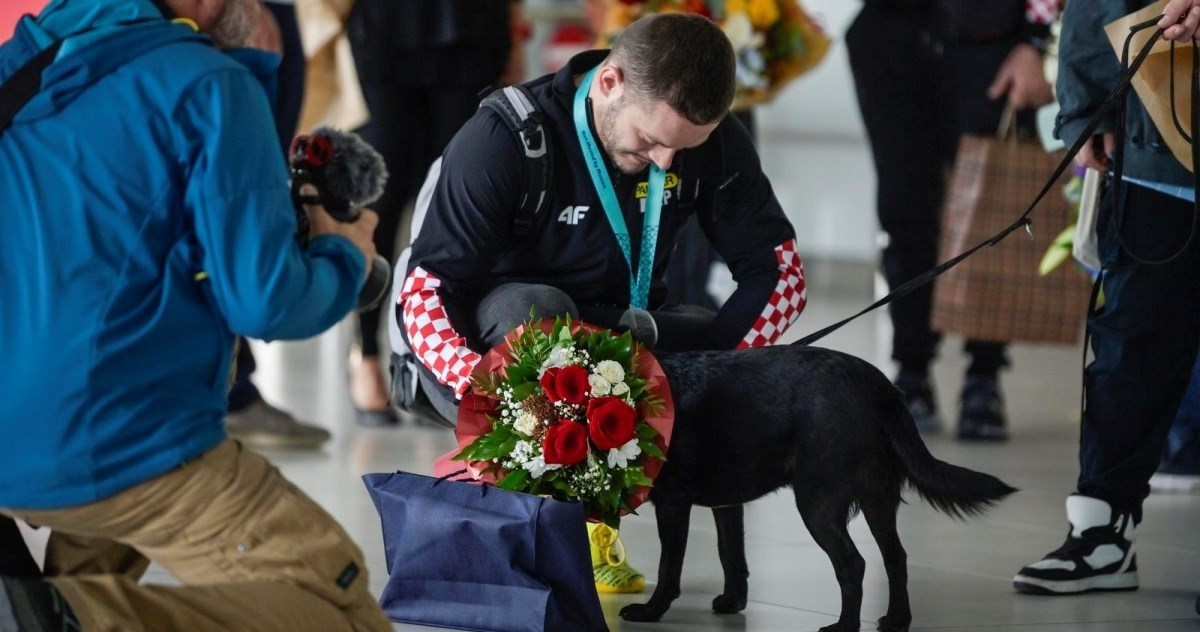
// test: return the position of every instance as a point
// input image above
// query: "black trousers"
(1144, 340)
(917, 97)
(414, 110)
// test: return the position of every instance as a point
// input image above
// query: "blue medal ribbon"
(639, 285)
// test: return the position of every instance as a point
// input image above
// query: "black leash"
(1113, 100)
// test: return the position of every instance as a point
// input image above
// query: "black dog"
(827, 424)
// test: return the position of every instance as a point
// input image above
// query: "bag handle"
(1114, 98)
(451, 475)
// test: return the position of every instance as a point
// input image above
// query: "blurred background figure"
(927, 72)
(423, 66)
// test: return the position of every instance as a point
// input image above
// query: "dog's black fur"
(825, 423)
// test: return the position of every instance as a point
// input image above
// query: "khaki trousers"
(253, 553)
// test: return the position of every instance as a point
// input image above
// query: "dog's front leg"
(731, 544)
(672, 537)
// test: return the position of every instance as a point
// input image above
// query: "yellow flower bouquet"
(775, 40)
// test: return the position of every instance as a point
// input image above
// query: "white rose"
(611, 371)
(620, 389)
(526, 423)
(600, 386)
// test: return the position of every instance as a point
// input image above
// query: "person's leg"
(1179, 470)
(899, 82)
(972, 70)
(251, 551)
(398, 130)
(251, 420)
(1144, 339)
(72, 554)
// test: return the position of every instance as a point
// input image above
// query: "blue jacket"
(1088, 70)
(144, 221)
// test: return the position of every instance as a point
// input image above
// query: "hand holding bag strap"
(24, 84)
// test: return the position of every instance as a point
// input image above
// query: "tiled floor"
(959, 572)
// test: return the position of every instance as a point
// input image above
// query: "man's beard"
(233, 28)
(606, 129)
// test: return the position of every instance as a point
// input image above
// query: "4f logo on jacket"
(572, 214)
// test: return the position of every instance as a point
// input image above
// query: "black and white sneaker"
(1098, 553)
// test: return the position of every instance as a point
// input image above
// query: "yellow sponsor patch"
(671, 182)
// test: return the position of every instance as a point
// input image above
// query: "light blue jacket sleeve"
(237, 196)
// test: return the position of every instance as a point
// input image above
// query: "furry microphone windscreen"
(357, 172)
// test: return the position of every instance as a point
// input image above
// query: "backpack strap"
(517, 107)
(24, 84)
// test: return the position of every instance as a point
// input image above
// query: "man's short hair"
(681, 59)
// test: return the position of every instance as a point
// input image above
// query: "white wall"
(815, 151)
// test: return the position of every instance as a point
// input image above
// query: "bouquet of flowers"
(775, 40)
(571, 411)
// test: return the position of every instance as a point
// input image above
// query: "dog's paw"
(642, 612)
(890, 624)
(728, 604)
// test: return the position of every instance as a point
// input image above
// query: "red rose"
(611, 422)
(565, 443)
(547, 383)
(571, 384)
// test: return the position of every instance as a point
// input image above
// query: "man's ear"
(610, 80)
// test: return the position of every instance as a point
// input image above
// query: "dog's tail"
(953, 490)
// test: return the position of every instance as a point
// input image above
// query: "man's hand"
(1175, 9)
(1094, 155)
(1021, 78)
(361, 232)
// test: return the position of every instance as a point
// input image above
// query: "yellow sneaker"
(610, 571)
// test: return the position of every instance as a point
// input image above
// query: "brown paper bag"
(332, 94)
(997, 294)
(1153, 80)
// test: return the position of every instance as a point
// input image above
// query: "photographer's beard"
(233, 26)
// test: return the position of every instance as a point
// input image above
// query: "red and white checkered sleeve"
(432, 336)
(1041, 11)
(786, 302)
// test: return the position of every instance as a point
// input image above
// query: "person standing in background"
(1145, 336)
(927, 72)
(423, 66)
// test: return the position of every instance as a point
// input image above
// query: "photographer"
(148, 222)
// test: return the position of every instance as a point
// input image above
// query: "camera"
(347, 174)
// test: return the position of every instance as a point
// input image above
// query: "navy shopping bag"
(471, 556)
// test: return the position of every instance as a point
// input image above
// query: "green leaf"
(523, 390)
(1054, 257)
(652, 449)
(515, 481)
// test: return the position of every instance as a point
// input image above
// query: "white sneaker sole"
(1120, 581)
(1175, 483)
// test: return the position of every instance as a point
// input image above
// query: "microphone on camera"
(347, 174)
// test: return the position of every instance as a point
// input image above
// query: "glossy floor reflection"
(959, 572)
